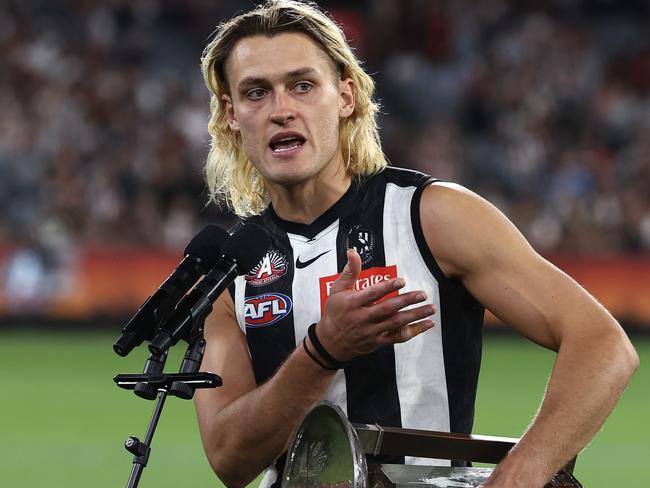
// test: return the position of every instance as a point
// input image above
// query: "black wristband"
(316, 360)
(329, 359)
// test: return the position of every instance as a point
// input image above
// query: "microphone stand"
(153, 383)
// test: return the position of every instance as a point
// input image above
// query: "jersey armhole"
(416, 221)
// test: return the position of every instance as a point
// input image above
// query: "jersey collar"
(343, 207)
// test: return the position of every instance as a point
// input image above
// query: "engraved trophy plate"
(432, 476)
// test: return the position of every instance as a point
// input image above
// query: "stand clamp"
(139, 449)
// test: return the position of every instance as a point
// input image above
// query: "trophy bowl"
(325, 452)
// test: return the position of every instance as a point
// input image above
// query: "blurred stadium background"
(541, 107)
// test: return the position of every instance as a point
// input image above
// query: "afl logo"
(263, 310)
(363, 241)
(272, 266)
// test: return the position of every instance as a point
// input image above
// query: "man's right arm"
(245, 427)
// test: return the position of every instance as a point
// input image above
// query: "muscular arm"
(474, 242)
(244, 427)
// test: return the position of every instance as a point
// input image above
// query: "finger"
(370, 295)
(400, 319)
(389, 306)
(402, 334)
(350, 273)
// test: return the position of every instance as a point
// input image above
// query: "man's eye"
(255, 94)
(302, 87)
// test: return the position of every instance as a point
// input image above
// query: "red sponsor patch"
(367, 277)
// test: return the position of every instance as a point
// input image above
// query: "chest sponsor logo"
(367, 277)
(266, 309)
(363, 241)
(272, 267)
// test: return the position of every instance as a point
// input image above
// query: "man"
(392, 267)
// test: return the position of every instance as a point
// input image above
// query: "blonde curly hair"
(230, 175)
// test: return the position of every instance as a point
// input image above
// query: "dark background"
(541, 107)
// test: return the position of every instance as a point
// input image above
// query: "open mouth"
(283, 144)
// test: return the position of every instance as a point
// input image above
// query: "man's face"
(286, 100)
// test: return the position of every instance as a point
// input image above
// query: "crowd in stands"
(541, 107)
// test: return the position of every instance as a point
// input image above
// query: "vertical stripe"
(462, 326)
(307, 292)
(240, 290)
(370, 379)
(271, 344)
(421, 380)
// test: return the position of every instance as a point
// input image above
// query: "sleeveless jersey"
(428, 382)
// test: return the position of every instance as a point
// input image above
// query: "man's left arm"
(474, 242)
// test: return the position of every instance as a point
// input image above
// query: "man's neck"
(305, 202)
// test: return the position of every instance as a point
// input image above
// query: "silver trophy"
(327, 451)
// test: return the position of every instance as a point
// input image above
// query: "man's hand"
(354, 324)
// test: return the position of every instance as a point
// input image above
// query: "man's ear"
(230, 113)
(347, 92)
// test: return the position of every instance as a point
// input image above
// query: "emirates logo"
(367, 278)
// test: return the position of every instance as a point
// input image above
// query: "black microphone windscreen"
(206, 245)
(247, 246)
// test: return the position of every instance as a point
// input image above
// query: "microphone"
(240, 253)
(201, 254)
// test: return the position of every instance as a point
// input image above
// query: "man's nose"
(283, 110)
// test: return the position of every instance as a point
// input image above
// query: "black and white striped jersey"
(426, 383)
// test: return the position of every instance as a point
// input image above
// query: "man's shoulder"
(452, 197)
(461, 228)
(403, 177)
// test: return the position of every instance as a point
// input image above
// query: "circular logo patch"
(266, 309)
(363, 241)
(272, 266)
